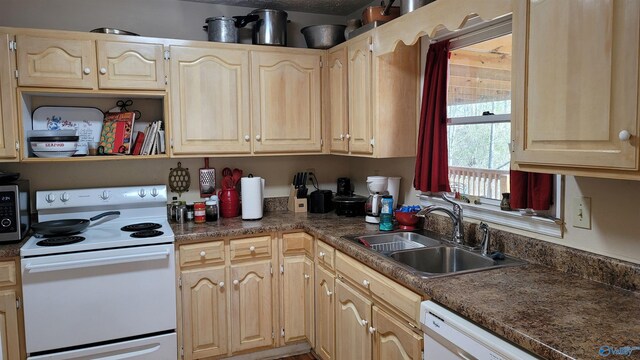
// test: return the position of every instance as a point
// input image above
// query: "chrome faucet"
(455, 214)
(485, 239)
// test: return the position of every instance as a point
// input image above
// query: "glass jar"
(190, 211)
(199, 215)
(211, 210)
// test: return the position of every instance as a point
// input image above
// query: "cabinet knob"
(252, 248)
(624, 135)
(348, 136)
(103, 70)
(202, 253)
(321, 254)
(329, 293)
(258, 137)
(372, 330)
(306, 276)
(247, 138)
(87, 71)
(364, 322)
(365, 283)
(221, 284)
(236, 282)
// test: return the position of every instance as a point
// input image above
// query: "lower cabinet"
(353, 319)
(392, 339)
(325, 313)
(10, 326)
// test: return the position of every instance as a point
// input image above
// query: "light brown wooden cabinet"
(11, 330)
(381, 99)
(325, 313)
(210, 108)
(392, 340)
(576, 87)
(297, 288)
(286, 98)
(63, 61)
(353, 318)
(8, 112)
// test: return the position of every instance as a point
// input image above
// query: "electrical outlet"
(582, 212)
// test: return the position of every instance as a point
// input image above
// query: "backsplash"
(585, 264)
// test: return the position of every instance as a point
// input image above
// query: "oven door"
(84, 298)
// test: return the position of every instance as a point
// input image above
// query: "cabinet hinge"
(167, 55)
(321, 64)
(18, 303)
(512, 146)
(16, 73)
(273, 335)
(281, 269)
(372, 142)
(182, 351)
(171, 142)
(13, 45)
(282, 332)
(17, 145)
(412, 325)
(321, 142)
(166, 80)
(180, 282)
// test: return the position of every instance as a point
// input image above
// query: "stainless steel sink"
(389, 242)
(442, 260)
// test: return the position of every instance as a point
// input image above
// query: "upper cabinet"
(575, 94)
(210, 100)
(286, 103)
(56, 62)
(375, 111)
(130, 65)
(8, 122)
(66, 62)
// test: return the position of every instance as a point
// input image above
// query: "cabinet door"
(360, 119)
(251, 306)
(52, 62)
(325, 314)
(286, 102)
(353, 318)
(129, 65)
(210, 101)
(580, 88)
(9, 341)
(8, 116)
(338, 100)
(393, 340)
(297, 299)
(204, 313)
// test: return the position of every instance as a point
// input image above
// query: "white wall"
(154, 18)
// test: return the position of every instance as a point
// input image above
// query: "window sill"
(493, 214)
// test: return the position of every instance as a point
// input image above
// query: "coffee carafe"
(377, 186)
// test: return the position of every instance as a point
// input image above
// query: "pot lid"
(220, 18)
(281, 12)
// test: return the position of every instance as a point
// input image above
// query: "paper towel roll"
(252, 197)
(393, 187)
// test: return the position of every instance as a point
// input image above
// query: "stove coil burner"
(60, 240)
(141, 227)
(146, 234)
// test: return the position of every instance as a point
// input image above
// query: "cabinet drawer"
(383, 289)
(251, 248)
(297, 243)
(7, 273)
(202, 254)
(325, 255)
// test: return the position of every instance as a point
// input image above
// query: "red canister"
(229, 202)
(199, 214)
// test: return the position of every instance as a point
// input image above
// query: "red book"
(117, 129)
(137, 145)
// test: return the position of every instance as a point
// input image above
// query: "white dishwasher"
(447, 336)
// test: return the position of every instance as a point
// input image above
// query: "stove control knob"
(105, 195)
(51, 197)
(142, 193)
(5, 222)
(64, 197)
(154, 192)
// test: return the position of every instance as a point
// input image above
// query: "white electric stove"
(107, 291)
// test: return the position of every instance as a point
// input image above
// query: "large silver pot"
(323, 36)
(225, 29)
(407, 6)
(270, 28)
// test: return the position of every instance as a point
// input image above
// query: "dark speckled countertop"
(548, 312)
(551, 313)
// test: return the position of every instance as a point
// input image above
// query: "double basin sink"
(429, 255)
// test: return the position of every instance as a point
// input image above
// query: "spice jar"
(211, 209)
(190, 211)
(199, 215)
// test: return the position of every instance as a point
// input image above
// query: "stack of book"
(115, 137)
(151, 140)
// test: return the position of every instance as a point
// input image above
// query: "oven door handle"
(110, 260)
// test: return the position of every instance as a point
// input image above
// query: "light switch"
(582, 212)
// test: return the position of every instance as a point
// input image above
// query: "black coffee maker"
(344, 187)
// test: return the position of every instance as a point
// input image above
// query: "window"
(479, 113)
